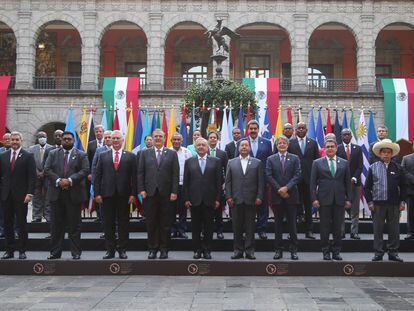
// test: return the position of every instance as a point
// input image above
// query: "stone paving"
(204, 293)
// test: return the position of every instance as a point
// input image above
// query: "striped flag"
(399, 108)
(164, 125)
(70, 125)
(146, 129)
(248, 118)
(266, 127)
(279, 125)
(230, 121)
(225, 136)
(362, 140)
(352, 127)
(320, 136)
(183, 126)
(4, 86)
(129, 137)
(138, 130)
(83, 131)
(289, 115)
(171, 128)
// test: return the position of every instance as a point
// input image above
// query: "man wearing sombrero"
(385, 194)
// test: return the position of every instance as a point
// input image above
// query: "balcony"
(56, 83)
(180, 83)
(142, 83)
(332, 85)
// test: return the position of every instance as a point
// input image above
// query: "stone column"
(90, 53)
(299, 63)
(366, 55)
(155, 53)
(226, 64)
(25, 52)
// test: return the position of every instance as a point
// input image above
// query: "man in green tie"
(330, 187)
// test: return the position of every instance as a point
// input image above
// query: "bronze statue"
(218, 34)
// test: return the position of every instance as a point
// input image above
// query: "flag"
(164, 125)
(352, 127)
(240, 123)
(299, 119)
(289, 115)
(91, 128)
(183, 125)
(104, 121)
(320, 136)
(83, 131)
(153, 122)
(115, 126)
(328, 122)
(311, 125)
(248, 118)
(399, 108)
(138, 130)
(266, 127)
(230, 122)
(267, 96)
(146, 129)
(225, 136)
(171, 127)
(344, 120)
(372, 135)
(129, 137)
(212, 120)
(4, 86)
(337, 128)
(118, 91)
(193, 126)
(70, 125)
(157, 120)
(362, 141)
(279, 125)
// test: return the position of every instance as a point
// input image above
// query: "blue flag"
(138, 130)
(183, 130)
(70, 126)
(344, 120)
(154, 122)
(266, 127)
(104, 121)
(240, 121)
(320, 136)
(337, 128)
(311, 126)
(372, 135)
(146, 130)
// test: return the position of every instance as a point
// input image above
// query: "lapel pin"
(392, 173)
(19, 155)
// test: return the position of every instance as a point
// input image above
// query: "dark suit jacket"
(223, 160)
(355, 162)
(289, 178)
(164, 177)
(408, 167)
(330, 190)
(122, 181)
(264, 150)
(202, 188)
(244, 188)
(47, 151)
(23, 179)
(306, 160)
(92, 146)
(78, 169)
(230, 150)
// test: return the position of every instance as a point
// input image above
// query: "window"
(137, 70)
(319, 75)
(257, 66)
(194, 73)
(383, 71)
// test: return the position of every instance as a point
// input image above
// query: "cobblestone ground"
(204, 293)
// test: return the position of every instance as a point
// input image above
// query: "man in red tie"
(17, 182)
(115, 187)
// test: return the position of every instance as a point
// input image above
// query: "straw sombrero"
(386, 143)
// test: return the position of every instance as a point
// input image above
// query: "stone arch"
(109, 20)
(249, 19)
(50, 128)
(376, 29)
(12, 24)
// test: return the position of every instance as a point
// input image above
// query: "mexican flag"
(120, 93)
(267, 96)
(399, 108)
(4, 86)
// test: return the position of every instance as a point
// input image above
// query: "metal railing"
(180, 83)
(142, 83)
(332, 85)
(285, 84)
(57, 83)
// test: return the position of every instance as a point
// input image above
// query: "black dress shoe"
(326, 256)
(102, 236)
(76, 257)
(173, 235)
(207, 255)
(109, 255)
(237, 255)
(250, 256)
(278, 255)
(123, 255)
(22, 255)
(394, 257)
(182, 235)
(377, 257)
(262, 235)
(163, 254)
(408, 237)
(294, 256)
(152, 255)
(49, 236)
(309, 235)
(197, 255)
(51, 256)
(355, 236)
(336, 256)
(8, 255)
(220, 236)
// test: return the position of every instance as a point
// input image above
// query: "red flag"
(115, 125)
(289, 115)
(132, 92)
(165, 127)
(4, 86)
(328, 122)
(248, 118)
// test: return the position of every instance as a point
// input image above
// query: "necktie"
(213, 152)
(42, 153)
(332, 166)
(348, 152)
(13, 160)
(282, 162)
(158, 156)
(202, 165)
(116, 160)
(302, 146)
(254, 147)
(65, 163)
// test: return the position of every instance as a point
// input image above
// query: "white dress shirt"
(183, 154)
(244, 162)
(119, 155)
(17, 153)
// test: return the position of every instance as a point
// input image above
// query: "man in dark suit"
(96, 143)
(17, 183)
(261, 149)
(408, 166)
(331, 192)
(283, 174)
(158, 178)
(307, 150)
(66, 169)
(6, 142)
(202, 194)
(115, 187)
(230, 148)
(57, 136)
(214, 151)
(288, 130)
(244, 192)
(353, 154)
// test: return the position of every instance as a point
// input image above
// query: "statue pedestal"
(219, 57)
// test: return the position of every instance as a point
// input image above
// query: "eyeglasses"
(67, 138)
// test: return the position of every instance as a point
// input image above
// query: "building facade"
(325, 52)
